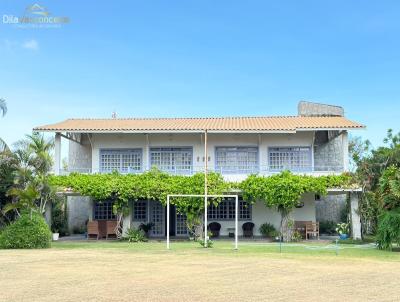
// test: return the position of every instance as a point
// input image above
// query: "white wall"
(262, 214)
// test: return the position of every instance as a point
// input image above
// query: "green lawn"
(225, 247)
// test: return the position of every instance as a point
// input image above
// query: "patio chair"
(111, 226)
(93, 229)
(214, 228)
(300, 226)
(247, 228)
(312, 228)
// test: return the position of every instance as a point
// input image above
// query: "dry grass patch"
(192, 274)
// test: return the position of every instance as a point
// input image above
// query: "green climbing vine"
(283, 191)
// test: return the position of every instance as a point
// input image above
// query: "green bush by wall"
(26, 233)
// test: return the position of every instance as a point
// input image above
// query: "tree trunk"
(286, 227)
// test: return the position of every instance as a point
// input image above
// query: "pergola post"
(355, 216)
(57, 153)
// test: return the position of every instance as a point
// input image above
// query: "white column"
(345, 143)
(355, 217)
(57, 153)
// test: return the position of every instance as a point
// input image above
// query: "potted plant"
(146, 227)
(55, 235)
(343, 230)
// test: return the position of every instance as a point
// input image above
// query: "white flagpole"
(168, 222)
(236, 221)
(205, 188)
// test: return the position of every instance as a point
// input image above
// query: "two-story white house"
(314, 142)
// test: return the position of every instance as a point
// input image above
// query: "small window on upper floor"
(236, 159)
(290, 158)
(172, 159)
(121, 160)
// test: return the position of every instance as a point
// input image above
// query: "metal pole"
(205, 188)
(168, 222)
(236, 221)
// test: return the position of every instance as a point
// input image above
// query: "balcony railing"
(232, 170)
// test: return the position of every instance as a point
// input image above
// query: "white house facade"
(314, 142)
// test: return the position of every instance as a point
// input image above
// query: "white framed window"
(103, 210)
(236, 159)
(225, 210)
(121, 160)
(174, 160)
(140, 210)
(290, 158)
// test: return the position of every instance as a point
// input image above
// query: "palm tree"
(3, 110)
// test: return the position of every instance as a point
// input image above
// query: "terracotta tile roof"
(223, 124)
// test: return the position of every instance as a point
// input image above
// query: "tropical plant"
(146, 227)
(32, 189)
(371, 165)
(29, 231)
(267, 229)
(342, 228)
(388, 229)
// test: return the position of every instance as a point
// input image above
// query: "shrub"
(267, 230)
(26, 233)
(296, 237)
(327, 227)
(388, 229)
(135, 235)
(210, 243)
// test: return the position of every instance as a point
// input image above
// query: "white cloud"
(31, 44)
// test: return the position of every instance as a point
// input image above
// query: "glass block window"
(236, 159)
(140, 210)
(103, 210)
(181, 227)
(123, 160)
(226, 210)
(290, 158)
(173, 160)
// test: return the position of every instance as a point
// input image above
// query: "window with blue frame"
(103, 210)
(236, 159)
(290, 158)
(121, 160)
(174, 160)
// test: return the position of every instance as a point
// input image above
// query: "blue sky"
(201, 58)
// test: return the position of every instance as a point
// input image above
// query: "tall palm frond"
(24, 198)
(3, 107)
(3, 146)
(3, 110)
